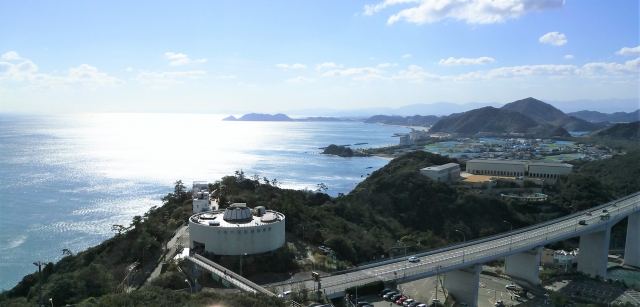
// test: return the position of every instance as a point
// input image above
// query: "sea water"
(65, 180)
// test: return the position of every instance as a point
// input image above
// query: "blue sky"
(193, 56)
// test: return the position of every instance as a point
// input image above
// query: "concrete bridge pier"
(632, 247)
(594, 252)
(463, 284)
(524, 265)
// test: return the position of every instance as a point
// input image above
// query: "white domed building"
(237, 230)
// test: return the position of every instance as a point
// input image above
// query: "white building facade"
(442, 173)
(237, 230)
(200, 195)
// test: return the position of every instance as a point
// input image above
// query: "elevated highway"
(522, 247)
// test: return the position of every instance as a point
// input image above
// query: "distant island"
(283, 118)
(342, 151)
(260, 117)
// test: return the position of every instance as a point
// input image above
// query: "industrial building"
(497, 167)
(237, 230)
(518, 168)
(442, 173)
(549, 170)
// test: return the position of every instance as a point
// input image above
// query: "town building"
(200, 194)
(449, 172)
(405, 140)
(237, 230)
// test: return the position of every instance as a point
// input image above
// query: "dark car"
(414, 304)
(582, 222)
(385, 291)
(396, 297)
(389, 295)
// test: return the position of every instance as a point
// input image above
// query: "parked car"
(395, 297)
(582, 222)
(421, 305)
(385, 291)
(414, 259)
(435, 302)
(407, 302)
(589, 213)
(400, 300)
(511, 287)
(284, 294)
(363, 304)
(414, 304)
(518, 298)
(499, 303)
(389, 295)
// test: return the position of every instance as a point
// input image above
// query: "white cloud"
(168, 77)
(406, 56)
(381, 65)
(472, 11)
(553, 38)
(227, 77)
(11, 55)
(600, 68)
(300, 79)
(415, 74)
(466, 61)
(568, 57)
(26, 71)
(623, 51)
(129, 68)
(352, 71)
(327, 65)
(181, 59)
(294, 66)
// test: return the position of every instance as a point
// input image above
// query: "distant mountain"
(545, 113)
(484, 119)
(601, 105)
(261, 117)
(438, 108)
(598, 117)
(629, 131)
(415, 120)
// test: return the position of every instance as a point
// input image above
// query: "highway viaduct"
(461, 264)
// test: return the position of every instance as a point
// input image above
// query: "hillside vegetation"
(395, 205)
(629, 131)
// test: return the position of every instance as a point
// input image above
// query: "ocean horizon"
(66, 179)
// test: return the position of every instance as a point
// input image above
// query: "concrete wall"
(524, 265)
(632, 247)
(238, 240)
(463, 284)
(594, 251)
(549, 170)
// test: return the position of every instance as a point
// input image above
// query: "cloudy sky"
(267, 56)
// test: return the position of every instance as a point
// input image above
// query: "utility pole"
(39, 265)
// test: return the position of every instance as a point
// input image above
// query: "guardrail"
(233, 278)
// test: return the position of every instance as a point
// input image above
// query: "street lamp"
(464, 239)
(51, 301)
(39, 265)
(437, 280)
(241, 263)
(190, 288)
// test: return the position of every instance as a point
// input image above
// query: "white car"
(511, 287)
(284, 294)
(414, 259)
